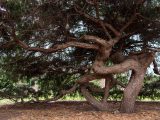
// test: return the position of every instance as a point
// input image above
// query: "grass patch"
(6, 102)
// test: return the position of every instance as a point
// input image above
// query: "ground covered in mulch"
(75, 110)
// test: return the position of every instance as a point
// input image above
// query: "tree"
(79, 37)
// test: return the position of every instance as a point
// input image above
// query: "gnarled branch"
(95, 39)
(107, 25)
(118, 68)
(56, 47)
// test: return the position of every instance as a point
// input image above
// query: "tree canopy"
(77, 41)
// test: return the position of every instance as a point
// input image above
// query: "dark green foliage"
(40, 23)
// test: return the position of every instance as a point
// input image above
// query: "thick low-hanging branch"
(87, 78)
(129, 64)
(95, 39)
(56, 48)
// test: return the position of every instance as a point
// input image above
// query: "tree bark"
(135, 84)
(93, 101)
(131, 92)
(101, 105)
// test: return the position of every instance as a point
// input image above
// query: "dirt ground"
(74, 110)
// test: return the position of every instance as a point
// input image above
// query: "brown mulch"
(75, 110)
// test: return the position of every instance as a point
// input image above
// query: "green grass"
(6, 102)
(77, 97)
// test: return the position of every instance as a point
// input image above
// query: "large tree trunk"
(131, 92)
(135, 84)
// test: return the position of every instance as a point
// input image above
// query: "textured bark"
(138, 63)
(131, 92)
(106, 90)
(118, 68)
(135, 84)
